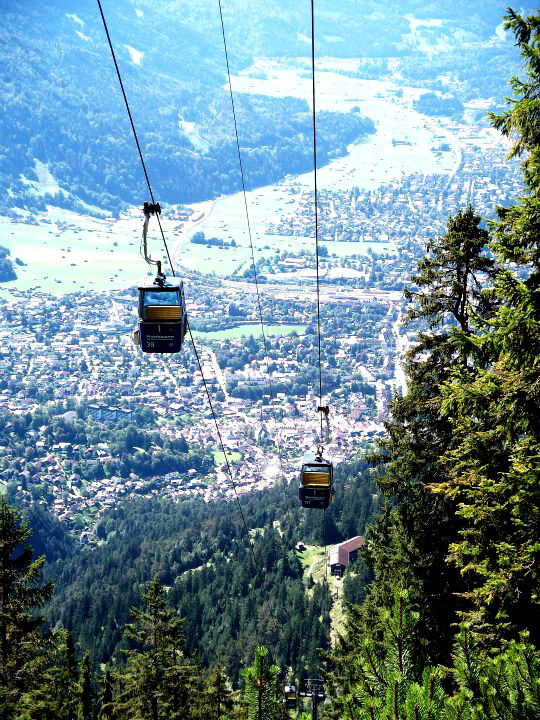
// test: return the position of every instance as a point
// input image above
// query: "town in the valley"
(100, 420)
(75, 354)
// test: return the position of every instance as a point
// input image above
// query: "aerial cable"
(155, 208)
(135, 135)
(322, 409)
(259, 304)
(218, 431)
(325, 548)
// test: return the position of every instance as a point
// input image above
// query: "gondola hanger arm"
(150, 209)
(325, 410)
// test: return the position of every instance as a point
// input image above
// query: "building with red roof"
(339, 556)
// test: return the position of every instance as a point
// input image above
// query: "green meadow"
(254, 330)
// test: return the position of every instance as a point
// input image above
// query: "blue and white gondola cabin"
(162, 323)
(316, 482)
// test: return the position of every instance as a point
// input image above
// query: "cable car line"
(316, 209)
(163, 311)
(323, 410)
(325, 551)
(218, 431)
(259, 304)
(316, 475)
(134, 132)
(156, 209)
(321, 471)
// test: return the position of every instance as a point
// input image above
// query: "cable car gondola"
(316, 481)
(289, 700)
(162, 322)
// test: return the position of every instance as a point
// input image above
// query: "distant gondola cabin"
(162, 323)
(316, 482)
(290, 697)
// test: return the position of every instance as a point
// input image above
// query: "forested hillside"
(65, 128)
(231, 594)
(66, 133)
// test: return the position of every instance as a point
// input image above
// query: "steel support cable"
(326, 563)
(317, 261)
(316, 207)
(172, 270)
(134, 132)
(218, 431)
(325, 547)
(259, 305)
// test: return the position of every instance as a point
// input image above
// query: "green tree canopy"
(494, 409)
(262, 690)
(21, 593)
(158, 681)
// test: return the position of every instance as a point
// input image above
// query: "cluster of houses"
(77, 349)
(415, 207)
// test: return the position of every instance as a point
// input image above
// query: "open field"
(229, 260)
(232, 456)
(312, 558)
(251, 330)
(313, 563)
(66, 252)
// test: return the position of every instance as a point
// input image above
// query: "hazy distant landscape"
(400, 142)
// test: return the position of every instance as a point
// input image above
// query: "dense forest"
(7, 273)
(445, 604)
(201, 552)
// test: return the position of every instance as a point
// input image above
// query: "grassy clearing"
(337, 613)
(75, 258)
(312, 554)
(3, 488)
(237, 333)
(313, 562)
(212, 260)
(219, 457)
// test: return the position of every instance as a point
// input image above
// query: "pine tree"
(106, 711)
(500, 686)
(503, 685)
(450, 290)
(493, 410)
(21, 593)
(409, 544)
(261, 687)
(217, 694)
(86, 691)
(54, 692)
(385, 686)
(158, 682)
